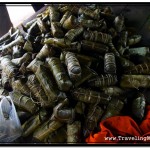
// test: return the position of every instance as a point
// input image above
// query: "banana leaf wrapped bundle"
(103, 80)
(27, 57)
(59, 74)
(134, 39)
(28, 46)
(45, 129)
(74, 132)
(8, 67)
(66, 15)
(123, 38)
(90, 96)
(80, 108)
(49, 86)
(34, 122)
(96, 36)
(5, 81)
(113, 109)
(53, 14)
(20, 86)
(119, 23)
(45, 51)
(138, 107)
(86, 74)
(56, 30)
(135, 81)
(58, 136)
(23, 102)
(37, 91)
(72, 34)
(34, 64)
(94, 114)
(139, 69)
(73, 66)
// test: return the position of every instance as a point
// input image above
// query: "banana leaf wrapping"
(41, 25)
(134, 39)
(6, 49)
(109, 63)
(17, 51)
(113, 91)
(54, 15)
(73, 66)
(23, 102)
(33, 66)
(72, 34)
(135, 81)
(45, 129)
(27, 57)
(34, 29)
(139, 69)
(56, 42)
(34, 122)
(143, 51)
(8, 67)
(59, 74)
(119, 23)
(86, 74)
(125, 63)
(71, 8)
(28, 46)
(74, 132)
(37, 91)
(70, 23)
(58, 136)
(93, 46)
(113, 49)
(80, 108)
(96, 36)
(20, 86)
(90, 96)
(138, 107)
(23, 68)
(103, 80)
(113, 109)
(56, 30)
(93, 116)
(5, 80)
(45, 51)
(123, 38)
(88, 12)
(66, 15)
(50, 88)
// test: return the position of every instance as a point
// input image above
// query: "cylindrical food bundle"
(66, 15)
(34, 122)
(124, 38)
(119, 23)
(74, 132)
(34, 64)
(24, 59)
(103, 80)
(59, 74)
(56, 29)
(90, 96)
(45, 51)
(139, 69)
(73, 66)
(23, 102)
(96, 36)
(37, 91)
(93, 46)
(45, 129)
(125, 63)
(138, 107)
(20, 86)
(109, 63)
(70, 23)
(94, 114)
(53, 14)
(135, 81)
(72, 34)
(113, 109)
(8, 67)
(5, 81)
(49, 86)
